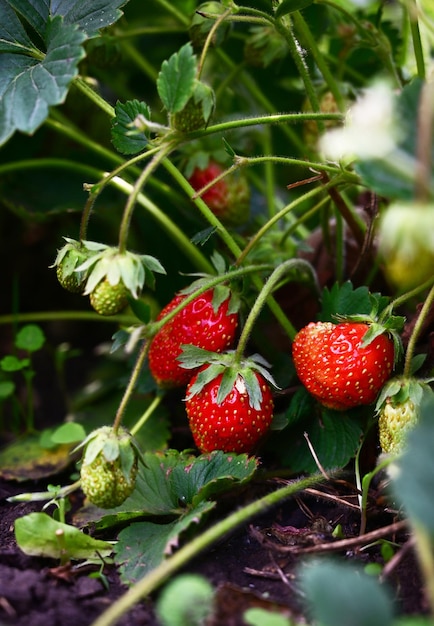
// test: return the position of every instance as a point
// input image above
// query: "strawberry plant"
(217, 223)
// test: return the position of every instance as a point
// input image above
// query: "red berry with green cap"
(339, 367)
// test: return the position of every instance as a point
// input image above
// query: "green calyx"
(68, 259)
(230, 368)
(380, 322)
(109, 263)
(109, 466)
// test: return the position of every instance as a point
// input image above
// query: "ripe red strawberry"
(235, 423)
(337, 369)
(202, 323)
(229, 198)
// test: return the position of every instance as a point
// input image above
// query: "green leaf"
(30, 338)
(28, 458)
(35, 77)
(176, 80)
(127, 138)
(30, 86)
(335, 437)
(173, 482)
(289, 6)
(337, 593)
(71, 432)
(344, 300)
(144, 545)
(11, 363)
(89, 15)
(13, 37)
(38, 534)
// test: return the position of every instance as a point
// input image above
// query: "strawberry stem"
(417, 330)
(273, 280)
(132, 199)
(209, 38)
(131, 384)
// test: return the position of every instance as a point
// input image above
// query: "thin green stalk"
(179, 559)
(314, 165)
(208, 42)
(266, 291)
(295, 51)
(170, 7)
(90, 93)
(184, 243)
(417, 330)
(319, 58)
(131, 385)
(269, 176)
(42, 163)
(270, 118)
(147, 414)
(417, 42)
(138, 185)
(85, 215)
(83, 316)
(141, 62)
(278, 216)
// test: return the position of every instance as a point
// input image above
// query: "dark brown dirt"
(250, 568)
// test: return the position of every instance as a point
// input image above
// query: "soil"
(254, 567)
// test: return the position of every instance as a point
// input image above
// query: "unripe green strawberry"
(228, 198)
(109, 468)
(398, 409)
(406, 243)
(108, 299)
(71, 282)
(197, 112)
(395, 420)
(68, 259)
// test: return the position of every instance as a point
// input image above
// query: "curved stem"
(415, 35)
(266, 291)
(278, 216)
(302, 68)
(220, 19)
(417, 330)
(83, 316)
(132, 198)
(162, 572)
(147, 414)
(173, 230)
(306, 34)
(131, 384)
